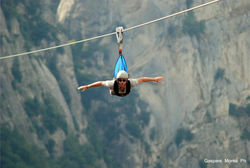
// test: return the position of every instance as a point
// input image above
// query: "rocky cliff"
(200, 112)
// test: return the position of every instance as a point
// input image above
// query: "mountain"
(198, 115)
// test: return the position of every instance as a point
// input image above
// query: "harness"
(116, 88)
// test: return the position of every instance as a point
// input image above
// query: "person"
(121, 84)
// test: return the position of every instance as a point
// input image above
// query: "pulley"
(119, 37)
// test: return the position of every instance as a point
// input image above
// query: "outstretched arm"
(96, 84)
(148, 79)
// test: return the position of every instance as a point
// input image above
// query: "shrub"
(219, 74)
(52, 119)
(145, 118)
(16, 71)
(9, 10)
(77, 155)
(153, 134)
(33, 107)
(237, 112)
(134, 130)
(112, 133)
(17, 152)
(189, 3)
(40, 131)
(50, 112)
(159, 165)
(193, 27)
(32, 25)
(174, 31)
(245, 134)
(50, 145)
(247, 109)
(183, 134)
(202, 164)
(63, 86)
(233, 110)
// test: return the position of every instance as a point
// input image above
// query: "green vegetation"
(202, 164)
(159, 165)
(247, 110)
(15, 70)
(174, 31)
(33, 107)
(9, 10)
(147, 147)
(32, 26)
(190, 25)
(105, 116)
(54, 5)
(245, 135)
(104, 124)
(77, 155)
(16, 152)
(40, 130)
(193, 27)
(233, 110)
(50, 112)
(36, 30)
(75, 123)
(50, 146)
(238, 112)
(219, 74)
(95, 138)
(63, 86)
(52, 117)
(83, 60)
(183, 134)
(208, 117)
(189, 3)
(153, 134)
(112, 133)
(102, 144)
(144, 117)
(134, 130)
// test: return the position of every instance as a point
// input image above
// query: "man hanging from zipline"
(121, 84)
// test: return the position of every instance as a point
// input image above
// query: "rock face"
(200, 111)
(64, 9)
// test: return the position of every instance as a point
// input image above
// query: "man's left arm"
(157, 79)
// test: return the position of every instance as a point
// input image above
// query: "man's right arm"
(95, 84)
(108, 83)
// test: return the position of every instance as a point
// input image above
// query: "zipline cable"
(59, 46)
(172, 15)
(110, 34)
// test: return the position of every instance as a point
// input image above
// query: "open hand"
(158, 79)
(82, 88)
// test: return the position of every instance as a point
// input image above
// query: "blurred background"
(201, 110)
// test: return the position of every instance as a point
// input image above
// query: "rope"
(172, 15)
(110, 34)
(59, 46)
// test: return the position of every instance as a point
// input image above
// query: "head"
(122, 77)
